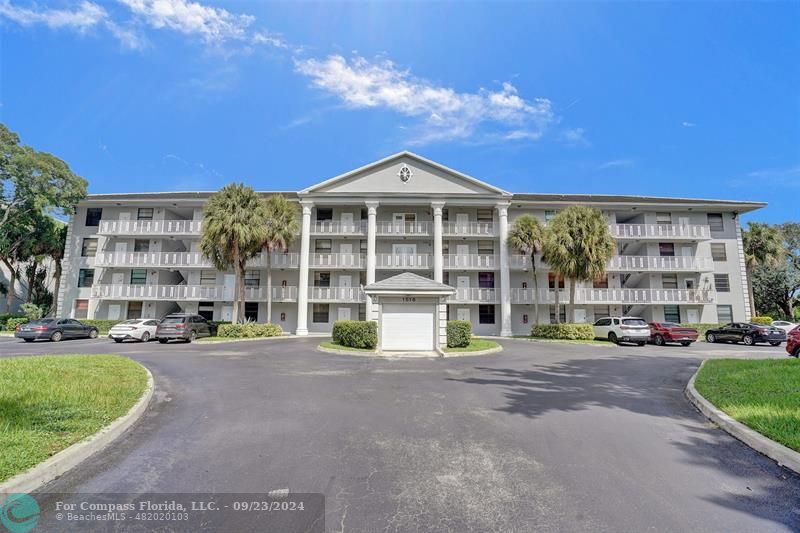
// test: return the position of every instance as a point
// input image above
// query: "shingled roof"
(408, 282)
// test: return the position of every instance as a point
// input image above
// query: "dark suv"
(186, 327)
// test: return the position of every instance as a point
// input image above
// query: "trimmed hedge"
(11, 323)
(571, 332)
(356, 333)
(214, 325)
(701, 329)
(766, 320)
(249, 330)
(5, 316)
(459, 333)
(102, 325)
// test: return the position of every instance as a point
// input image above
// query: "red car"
(793, 342)
(663, 332)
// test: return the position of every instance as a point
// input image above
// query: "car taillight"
(180, 326)
(18, 328)
(762, 330)
(39, 328)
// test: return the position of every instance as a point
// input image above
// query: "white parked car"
(140, 329)
(619, 329)
(784, 325)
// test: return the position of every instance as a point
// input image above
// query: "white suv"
(622, 329)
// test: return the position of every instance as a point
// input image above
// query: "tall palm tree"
(527, 235)
(233, 233)
(282, 226)
(578, 247)
(763, 246)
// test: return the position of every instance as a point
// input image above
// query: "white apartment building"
(137, 255)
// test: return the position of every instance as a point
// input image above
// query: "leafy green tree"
(763, 246)
(233, 233)
(527, 235)
(776, 289)
(281, 224)
(578, 248)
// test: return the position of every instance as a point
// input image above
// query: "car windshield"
(634, 322)
(131, 321)
(41, 321)
(173, 320)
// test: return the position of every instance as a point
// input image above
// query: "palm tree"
(763, 246)
(233, 233)
(281, 226)
(578, 247)
(527, 235)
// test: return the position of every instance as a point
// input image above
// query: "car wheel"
(145, 336)
(92, 333)
(118, 340)
(685, 343)
(613, 337)
(28, 340)
(56, 336)
(641, 343)
(162, 341)
(659, 340)
(797, 352)
(710, 337)
(773, 343)
(748, 340)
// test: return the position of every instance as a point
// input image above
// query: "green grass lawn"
(763, 394)
(204, 340)
(475, 345)
(334, 346)
(48, 403)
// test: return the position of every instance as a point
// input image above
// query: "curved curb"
(72, 456)
(347, 352)
(496, 349)
(777, 452)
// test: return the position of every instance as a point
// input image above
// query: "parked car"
(622, 329)
(747, 333)
(793, 342)
(784, 325)
(140, 329)
(662, 333)
(186, 327)
(54, 330)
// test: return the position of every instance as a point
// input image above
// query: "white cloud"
(688, 124)
(575, 136)
(443, 113)
(616, 163)
(212, 24)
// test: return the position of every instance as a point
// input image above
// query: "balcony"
(175, 260)
(150, 227)
(279, 294)
(668, 232)
(189, 293)
(343, 261)
(473, 295)
(521, 262)
(404, 261)
(470, 262)
(585, 296)
(336, 294)
(650, 263)
(333, 228)
(468, 229)
(403, 229)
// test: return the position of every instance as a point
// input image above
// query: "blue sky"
(683, 99)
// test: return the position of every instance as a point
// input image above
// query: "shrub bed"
(249, 330)
(766, 320)
(459, 333)
(102, 325)
(701, 329)
(6, 316)
(12, 323)
(356, 333)
(563, 331)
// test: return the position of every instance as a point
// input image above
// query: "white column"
(372, 229)
(437, 241)
(505, 280)
(302, 283)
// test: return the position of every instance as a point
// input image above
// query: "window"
(722, 283)
(138, 276)
(93, 216)
(551, 281)
(562, 313)
(89, 248)
(548, 216)
(322, 279)
(715, 222)
(601, 311)
(362, 246)
(486, 281)
(485, 247)
(208, 277)
(602, 321)
(669, 281)
(672, 313)
(718, 251)
(81, 308)
(446, 278)
(486, 314)
(663, 218)
(322, 246)
(724, 314)
(320, 313)
(445, 247)
(666, 249)
(252, 278)
(485, 215)
(362, 312)
(145, 213)
(324, 213)
(601, 282)
(364, 213)
(206, 310)
(141, 245)
(85, 277)
(445, 215)
(134, 310)
(251, 311)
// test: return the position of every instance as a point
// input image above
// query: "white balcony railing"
(279, 294)
(473, 295)
(403, 228)
(150, 227)
(616, 296)
(521, 262)
(660, 231)
(338, 261)
(655, 263)
(402, 261)
(189, 292)
(336, 294)
(185, 260)
(470, 261)
(468, 229)
(332, 227)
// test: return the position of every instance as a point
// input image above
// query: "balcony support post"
(302, 284)
(372, 214)
(505, 278)
(437, 241)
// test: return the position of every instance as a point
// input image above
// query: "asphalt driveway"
(543, 436)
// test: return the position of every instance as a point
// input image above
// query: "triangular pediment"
(405, 174)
